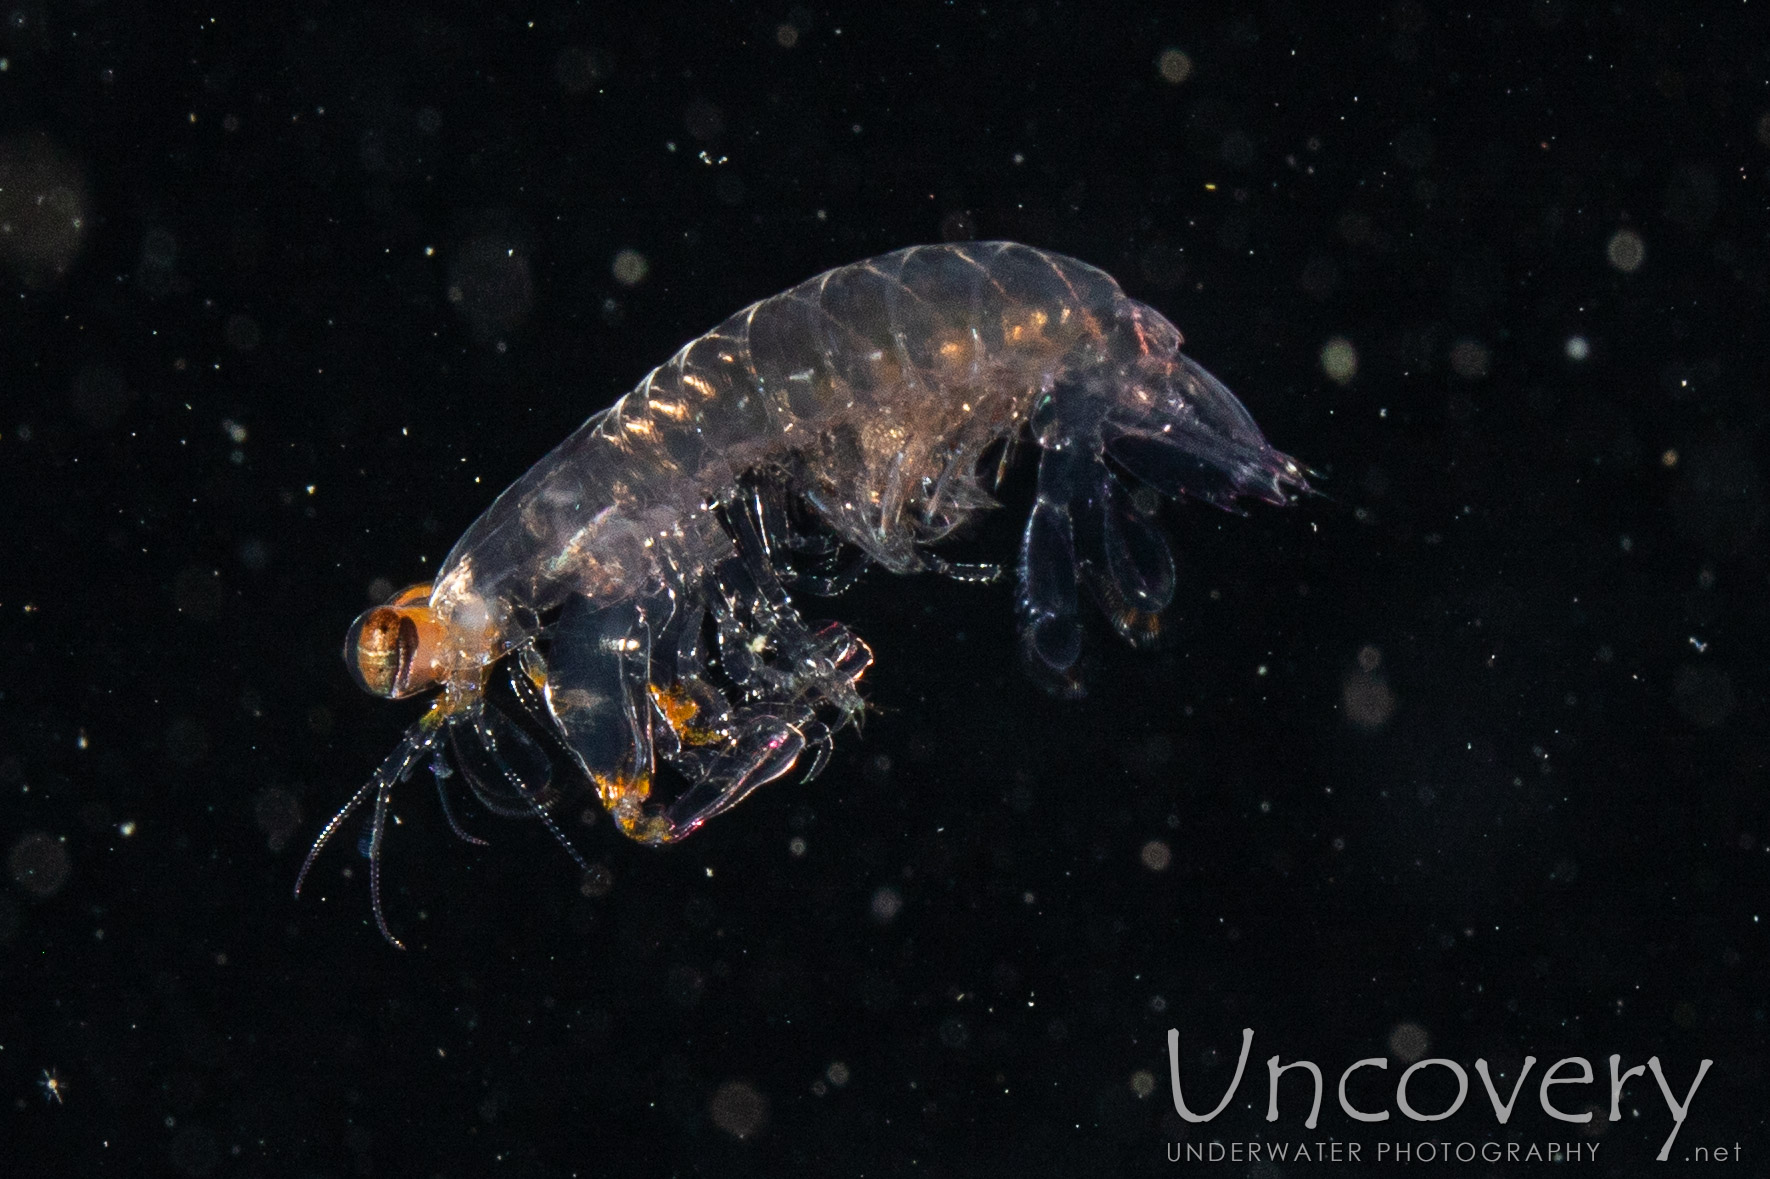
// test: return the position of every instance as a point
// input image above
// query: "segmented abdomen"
(876, 386)
(872, 389)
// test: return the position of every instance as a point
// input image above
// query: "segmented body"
(640, 570)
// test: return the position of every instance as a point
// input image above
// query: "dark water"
(1463, 760)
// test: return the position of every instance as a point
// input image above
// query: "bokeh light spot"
(1174, 65)
(630, 268)
(739, 1109)
(39, 863)
(1409, 1041)
(1626, 251)
(1339, 360)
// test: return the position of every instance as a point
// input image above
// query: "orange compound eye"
(388, 653)
(378, 649)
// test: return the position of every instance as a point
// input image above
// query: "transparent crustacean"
(635, 581)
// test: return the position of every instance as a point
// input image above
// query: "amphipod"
(634, 583)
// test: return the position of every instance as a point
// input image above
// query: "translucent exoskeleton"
(635, 582)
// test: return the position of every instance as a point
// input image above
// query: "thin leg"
(439, 769)
(839, 580)
(980, 572)
(418, 741)
(764, 749)
(331, 829)
(528, 793)
(380, 830)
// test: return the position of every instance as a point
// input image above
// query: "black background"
(1469, 747)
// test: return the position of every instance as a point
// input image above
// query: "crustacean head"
(399, 649)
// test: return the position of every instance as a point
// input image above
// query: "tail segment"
(1158, 421)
